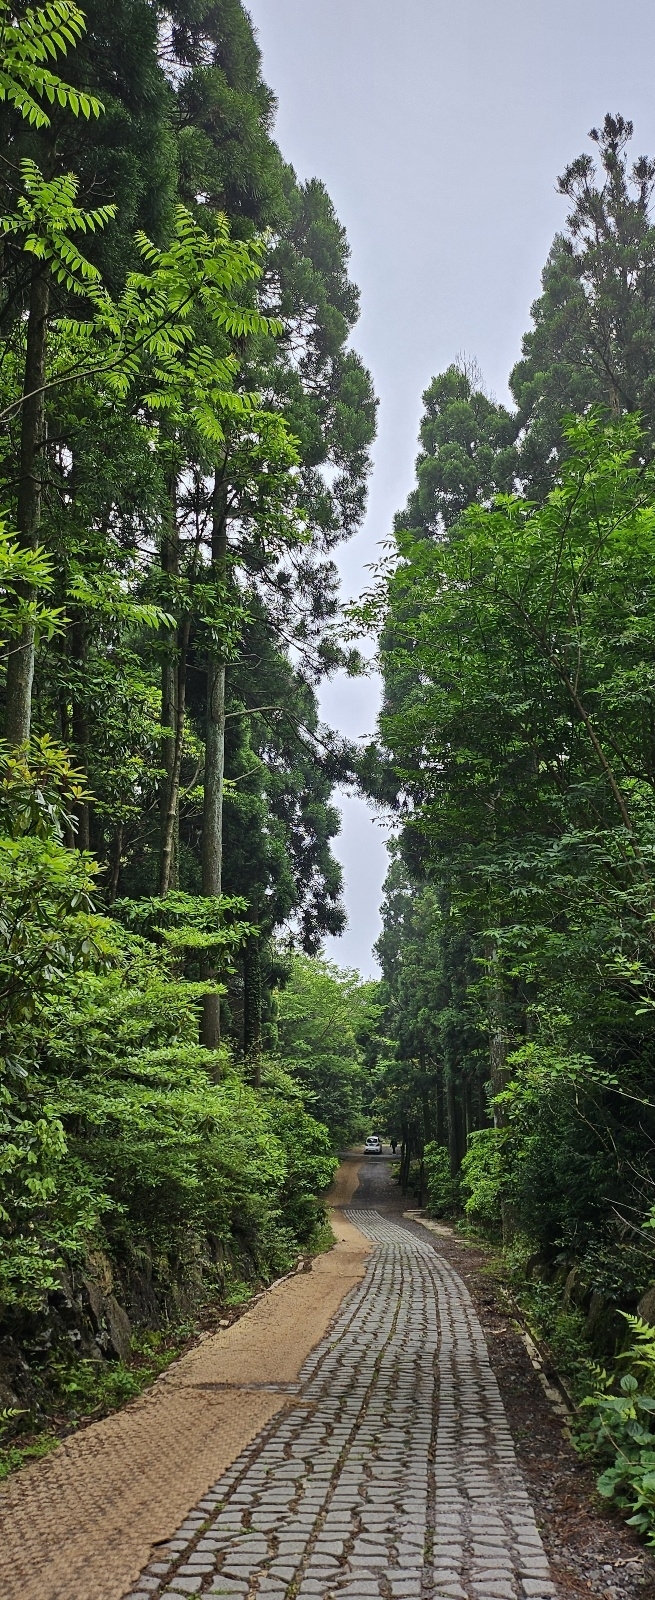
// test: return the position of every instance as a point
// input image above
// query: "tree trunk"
(428, 1116)
(497, 1027)
(170, 560)
(173, 784)
(212, 831)
(451, 1119)
(252, 1007)
(20, 668)
(468, 1108)
(212, 820)
(117, 849)
(482, 1109)
(441, 1110)
(498, 1063)
(80, 731)
(405, 1161)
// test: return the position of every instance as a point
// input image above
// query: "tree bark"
(20, 669)
(451, 1119)
(212, 821)
(170, 562)
(497, 1027)
(405, 1160)
(441, 1110)
(498, 1047)
(428, 1116)
(80, 730)
(212, 831)
(116, 854)
(252, 1008)
(172, 796)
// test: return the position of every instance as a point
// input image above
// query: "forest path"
(391, 1473)
(81, 1523)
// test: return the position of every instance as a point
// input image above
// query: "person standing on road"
(393, 1143)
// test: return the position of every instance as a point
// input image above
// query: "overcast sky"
(439, 128)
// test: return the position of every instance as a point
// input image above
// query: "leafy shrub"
(482, 1177)
(116, 1126)
(321, 1010)
(622, 1428)
(443, 1190)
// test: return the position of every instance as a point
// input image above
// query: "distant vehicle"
(373, 1145)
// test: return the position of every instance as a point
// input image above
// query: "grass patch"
(13, 1456)
(71, 1392)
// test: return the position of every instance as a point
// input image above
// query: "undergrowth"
(620, 1430)
(560, 1327)
(71, 1391)
(615, 1425)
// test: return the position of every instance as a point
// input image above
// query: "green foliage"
(514, 617)
(27, 44)
(13, 1456)
(44, 219)
(444, 1193)
(467, 452)
(204, 444)
(321, 1013)
(176, 379)
(310, 1159)
(70, 1387)
(114, 1123)
(621, 1429)
(24, 577)
(483, 1173)
(593, 333)
(525, 760)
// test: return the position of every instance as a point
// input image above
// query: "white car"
(373, 1146)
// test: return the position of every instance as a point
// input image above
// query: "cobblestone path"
(389, 1475)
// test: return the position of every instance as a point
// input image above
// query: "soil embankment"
(80, 1524)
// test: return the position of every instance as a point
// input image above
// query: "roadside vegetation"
(185, 439)
(514, 1050)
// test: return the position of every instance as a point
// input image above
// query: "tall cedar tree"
(187, 115)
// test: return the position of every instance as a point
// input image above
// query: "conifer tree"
(593, 339)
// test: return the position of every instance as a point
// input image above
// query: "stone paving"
(390, 1473)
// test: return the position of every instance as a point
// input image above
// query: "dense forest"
(186, 437)
(515, 1043)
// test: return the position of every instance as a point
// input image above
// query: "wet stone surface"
(391, 1472)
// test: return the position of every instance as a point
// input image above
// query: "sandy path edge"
(346, 1179)
(80, 1524)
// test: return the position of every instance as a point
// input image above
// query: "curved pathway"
(390, 1474)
